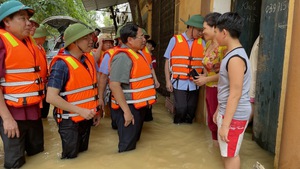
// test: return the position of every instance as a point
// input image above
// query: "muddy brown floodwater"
(163, 145)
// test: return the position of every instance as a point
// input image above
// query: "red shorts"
(235, 137)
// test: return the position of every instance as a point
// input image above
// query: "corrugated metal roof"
(100, 4)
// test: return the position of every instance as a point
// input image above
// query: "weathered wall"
(273, 28)
(163, 12)
(183, 10)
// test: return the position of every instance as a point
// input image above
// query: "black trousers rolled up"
(128, 136)
(185, 105)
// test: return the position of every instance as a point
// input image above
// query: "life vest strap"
(27, 70)
(96, 97)
(180, 73)
(136, 101)
(69, 115)
(11, 84)
(15, 97)
(186, 57)
(95, 85)
(139, 89)
(179, 57)
(140, 78)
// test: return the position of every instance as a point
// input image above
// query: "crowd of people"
(90, 76)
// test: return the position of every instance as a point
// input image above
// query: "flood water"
(163, 145)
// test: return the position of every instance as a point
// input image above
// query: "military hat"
(41, 32)
(195, 21)
(13, 6)
(75, 32)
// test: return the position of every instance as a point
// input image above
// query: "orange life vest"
(81, 88)
(43, 61)
(183, 59)
(110, 52)
(147, 55)
(21, 85)
(141, 82)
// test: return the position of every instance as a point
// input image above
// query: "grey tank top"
(243, 110)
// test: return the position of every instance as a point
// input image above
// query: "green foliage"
(107, 21)
(74, 8)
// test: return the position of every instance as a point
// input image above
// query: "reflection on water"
(163, 145)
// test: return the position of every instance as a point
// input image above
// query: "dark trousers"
(148, 115)
(113, 116)
(185, 105)
(45, 109)
(128, 136)
(74, 137)
(31, 140)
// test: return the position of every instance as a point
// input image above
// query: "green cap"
(13, 6)
(147, 36)
(33, 19)
(195, 21)
(41, 32)
(75, 32)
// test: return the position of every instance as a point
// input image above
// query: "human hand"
(87, 113)
(223, 132)
(215, 117)
(169, 86)
(96, 120)
(11, 128)
(128, 117)
(200, 80)
(157, 84)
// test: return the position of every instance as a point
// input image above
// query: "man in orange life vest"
(147, 54)
(184, 53)
(40, 37)
(21, 127)
(104, 91)
(132, 86)
(72, 89)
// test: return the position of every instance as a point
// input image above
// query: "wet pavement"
(163, 145)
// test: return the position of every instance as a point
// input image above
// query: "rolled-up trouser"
(185, 105)
(128, 136)
(74, 137)
(31, 140)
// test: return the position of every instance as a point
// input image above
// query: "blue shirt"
(181, 84)
(104, 64)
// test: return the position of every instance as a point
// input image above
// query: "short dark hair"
(128, 30)
(232, 22)
(97, 29)
(152, 43)
(211, 19)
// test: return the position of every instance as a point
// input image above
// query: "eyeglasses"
(140, 37)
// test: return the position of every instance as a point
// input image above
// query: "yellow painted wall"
(184, 9)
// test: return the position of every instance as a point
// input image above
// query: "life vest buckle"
(37, 68)
(39, 80)
(41, 92)
(95, 85)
